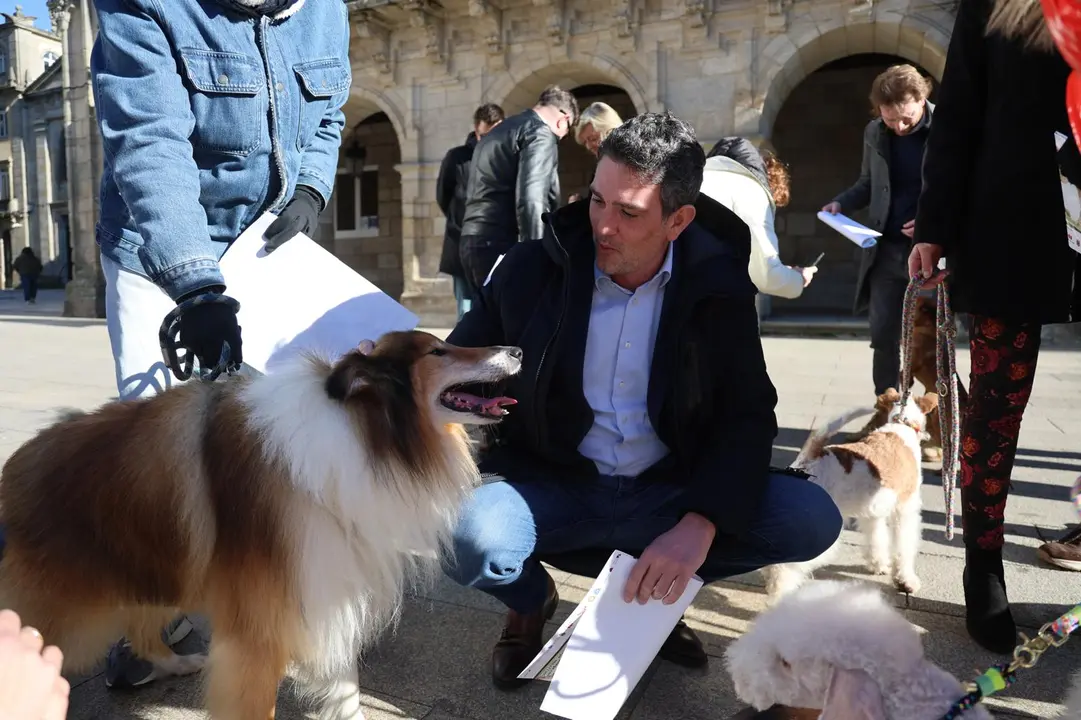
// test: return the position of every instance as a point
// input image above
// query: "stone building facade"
(793, 74)
(31, 202)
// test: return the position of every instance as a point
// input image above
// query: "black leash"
(169, 339)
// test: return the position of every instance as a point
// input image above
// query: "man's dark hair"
(662, 150)
(488, 113)
(560, 99)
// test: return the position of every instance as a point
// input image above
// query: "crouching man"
(645, 417)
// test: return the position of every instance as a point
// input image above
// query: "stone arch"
(364, 101)
(921, 38)
(518, 89)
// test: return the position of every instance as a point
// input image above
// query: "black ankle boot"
(987, 611)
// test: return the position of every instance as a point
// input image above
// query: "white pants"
(134, 310)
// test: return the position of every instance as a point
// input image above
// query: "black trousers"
(478, 255)
(887, 282)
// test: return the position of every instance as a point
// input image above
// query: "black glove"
(205, 328)
(301, 215)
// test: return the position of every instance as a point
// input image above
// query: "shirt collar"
(660, 279)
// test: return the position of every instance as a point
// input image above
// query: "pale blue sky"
(30, 7)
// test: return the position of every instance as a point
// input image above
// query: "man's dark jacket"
(450, 194)
(710, 398)
(513, 181)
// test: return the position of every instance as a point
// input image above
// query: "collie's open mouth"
(463, 402)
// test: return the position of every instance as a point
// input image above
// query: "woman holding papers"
(993, 206)
(753, 187)
(211, 113)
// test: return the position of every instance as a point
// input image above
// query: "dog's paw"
(879, 566)
(908, 584)
(931, 453)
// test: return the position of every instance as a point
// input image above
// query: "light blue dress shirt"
(615, 375)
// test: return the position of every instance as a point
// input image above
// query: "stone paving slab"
(435, 665)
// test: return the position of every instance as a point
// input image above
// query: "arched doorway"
(576, 164)
(818, 133)
(363, 225)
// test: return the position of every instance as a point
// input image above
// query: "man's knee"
(812, 519)
(821, 525)
(493, 537)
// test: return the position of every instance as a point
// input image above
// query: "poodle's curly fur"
(831, 629)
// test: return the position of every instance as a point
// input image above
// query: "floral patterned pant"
(1003, 366)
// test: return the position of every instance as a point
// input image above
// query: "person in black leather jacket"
(513, 181)
(450, 190)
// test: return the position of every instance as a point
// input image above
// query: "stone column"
(426, 292)
(85, 294)
(43, 169)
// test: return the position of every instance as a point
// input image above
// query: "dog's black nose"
(515, 352)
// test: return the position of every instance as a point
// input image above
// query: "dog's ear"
(354, 372)
(928, 402)
(853, 695)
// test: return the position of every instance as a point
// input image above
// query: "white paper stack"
(609, 645)
(854, 231)
(301, 297)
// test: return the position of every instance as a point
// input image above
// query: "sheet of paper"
(301, 297)
(1071, 201)
(854, 231)
(610, 646)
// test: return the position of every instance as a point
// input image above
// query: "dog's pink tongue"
(494, 406)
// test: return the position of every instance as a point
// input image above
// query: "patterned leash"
(1025, 655)
(946, 372)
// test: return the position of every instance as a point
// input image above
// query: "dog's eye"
(437, 351)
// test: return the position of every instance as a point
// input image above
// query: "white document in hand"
(301, 297)
(857, 233)
(610, 644)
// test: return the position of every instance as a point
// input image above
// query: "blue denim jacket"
(209, 118)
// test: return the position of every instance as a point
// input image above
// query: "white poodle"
(842, 648)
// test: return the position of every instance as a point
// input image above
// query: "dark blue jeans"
(30, 286)
(510, 521)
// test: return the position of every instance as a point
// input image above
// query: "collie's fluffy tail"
(818, 439)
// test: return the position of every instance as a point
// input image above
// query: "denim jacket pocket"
(320, 80)
(227, 100)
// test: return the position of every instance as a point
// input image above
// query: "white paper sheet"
(301, 297)
(611, 644)
(854, 231)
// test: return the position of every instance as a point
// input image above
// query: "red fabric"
(1064, 22)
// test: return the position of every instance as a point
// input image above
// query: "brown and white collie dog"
(290, 509)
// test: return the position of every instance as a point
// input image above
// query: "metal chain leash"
(946, 383)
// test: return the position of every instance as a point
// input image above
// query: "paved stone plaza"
(436, 665)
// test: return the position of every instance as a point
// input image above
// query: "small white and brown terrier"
(875, 479)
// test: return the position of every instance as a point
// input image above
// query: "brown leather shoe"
(520, 642)
(684, 648)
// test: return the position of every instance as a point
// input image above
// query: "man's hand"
(923, 261)
(667, 565)
(204, 330)
(909, 228)
(31, 686)
(832, 208)
(301, 215)
(808, 274)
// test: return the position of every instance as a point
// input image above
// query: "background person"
(513, 181)
(889, 183)
(992, 205)
(450, 189)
